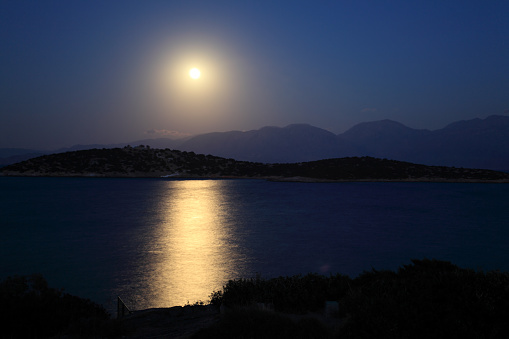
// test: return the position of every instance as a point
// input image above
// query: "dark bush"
(295, 294)
(32, 309)
(429, 298)
(426, 299)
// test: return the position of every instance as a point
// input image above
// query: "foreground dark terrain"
(144, 161)
(425, 299)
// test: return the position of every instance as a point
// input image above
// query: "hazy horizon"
(155, 135)
(113, 72)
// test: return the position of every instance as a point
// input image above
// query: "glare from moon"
(194, 73)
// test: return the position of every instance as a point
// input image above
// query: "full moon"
(194, 73)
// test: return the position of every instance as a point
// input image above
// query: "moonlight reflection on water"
(190, 253)
(161, 243)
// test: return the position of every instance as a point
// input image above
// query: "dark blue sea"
(162, 242)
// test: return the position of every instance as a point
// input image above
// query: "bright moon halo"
(194, 73)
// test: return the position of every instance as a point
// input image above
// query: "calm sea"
(161, 243)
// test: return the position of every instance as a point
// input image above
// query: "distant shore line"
(296, 179)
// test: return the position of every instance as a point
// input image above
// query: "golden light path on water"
(191, 251)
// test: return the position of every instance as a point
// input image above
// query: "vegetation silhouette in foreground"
(426, 299)
(32, 309)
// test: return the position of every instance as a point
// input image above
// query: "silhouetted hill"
(144, 161)
(472, 143)
(13, 155)
(160, 143)
(476, 143)
(80, 147)
(294, 143)
(384, 139)
(154, 143)
(9, 152)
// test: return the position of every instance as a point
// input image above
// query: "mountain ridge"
(475, 143)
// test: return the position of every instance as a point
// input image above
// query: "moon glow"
(194, 73)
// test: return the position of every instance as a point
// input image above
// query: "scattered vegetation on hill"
(143, 161)
(427, 299)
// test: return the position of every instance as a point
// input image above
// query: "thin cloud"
(166, 133)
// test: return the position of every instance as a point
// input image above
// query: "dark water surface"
(159, 242)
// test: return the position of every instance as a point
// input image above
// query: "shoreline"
(296, 179)
(156, 163)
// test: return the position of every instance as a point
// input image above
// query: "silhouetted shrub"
(426, 299)
(429, 298)
(295, 294)
(31, 309)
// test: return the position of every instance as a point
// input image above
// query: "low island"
(145, 162)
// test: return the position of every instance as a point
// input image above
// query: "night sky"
(82, 72)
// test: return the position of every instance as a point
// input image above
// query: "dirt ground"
(175, 322)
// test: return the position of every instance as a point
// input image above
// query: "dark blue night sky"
(109, 71)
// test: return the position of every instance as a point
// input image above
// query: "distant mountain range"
(477, 143)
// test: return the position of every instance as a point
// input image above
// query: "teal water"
(160, 242)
